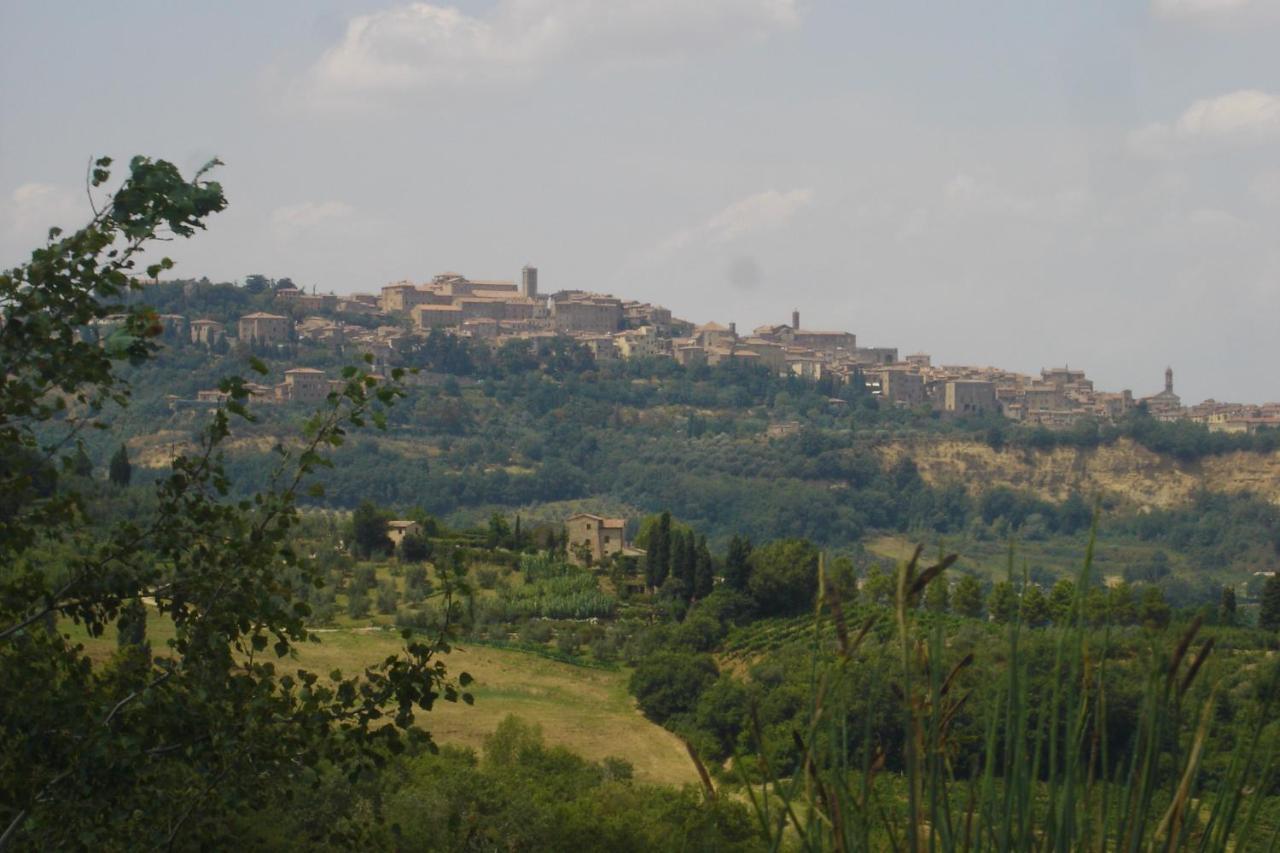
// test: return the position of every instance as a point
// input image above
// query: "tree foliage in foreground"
(156, 746)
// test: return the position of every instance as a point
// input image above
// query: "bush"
(670, 683)
(364, 579)
(536, 631)
(416, 584)
(567, 641)
(387, 597)
(784, 576)
(357, 604)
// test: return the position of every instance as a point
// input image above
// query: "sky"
(1022, 183)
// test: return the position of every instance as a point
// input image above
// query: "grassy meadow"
(585, 709)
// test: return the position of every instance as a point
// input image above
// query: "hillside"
(1124, 470)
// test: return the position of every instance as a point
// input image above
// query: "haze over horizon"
(1022, 185)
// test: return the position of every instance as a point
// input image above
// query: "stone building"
(303, 385)
(901, 386)
(1165, 405)
(643, 342)
(400, 528)
(969, 397)
(264, 328)
(207, 332)
(576, 311)
(430, 316)
(596, 535)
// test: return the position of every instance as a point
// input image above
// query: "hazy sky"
(1022, 183)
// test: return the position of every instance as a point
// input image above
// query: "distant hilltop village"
(613, 328)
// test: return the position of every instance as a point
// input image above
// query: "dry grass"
(586, 710)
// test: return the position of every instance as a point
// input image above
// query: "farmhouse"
(602, 537)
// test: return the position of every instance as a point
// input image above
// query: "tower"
(795, 320)
(1168, 380)
(529, 282)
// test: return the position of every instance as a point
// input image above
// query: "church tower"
(1168, 380)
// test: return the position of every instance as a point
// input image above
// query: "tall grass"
(1048, 776)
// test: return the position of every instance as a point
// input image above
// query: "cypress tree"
(703, 574)
(1227, 609)
(736, 568)
(657, 561)
(120, 471)
(1269, 616)
(682, 558)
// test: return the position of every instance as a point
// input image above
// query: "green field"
(585, 709)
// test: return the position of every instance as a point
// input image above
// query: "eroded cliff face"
(1124, 470)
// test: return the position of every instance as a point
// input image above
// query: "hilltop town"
(497, 311)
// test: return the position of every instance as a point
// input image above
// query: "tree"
(1034, 606)
(784, 576)
(120, 472)
(1227, 606)
(842, 579)
(415, 548)
(1154, 611)
(369, 530)
(163, 751)
(670, 683)
(1002, 604)
(937, 596)
(657, 558)
(736, 562)
(683, 557)
(1062, 600)
(388, 597)
(131, 625)
(256, 283)
(499, 532)
(1121, 609)
(966, 600)
(1269, 613)
(880, 586)
(704, 570)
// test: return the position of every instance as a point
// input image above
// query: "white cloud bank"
(765, 211)
(1215, 11)
(31, 210)
(294, 219)
(1248, 116)
(421, 45)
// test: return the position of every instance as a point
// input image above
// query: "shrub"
(670, 683)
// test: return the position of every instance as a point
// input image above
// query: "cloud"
(1245, 117)
(32, 209)
(1244, 114)
(1196, 8)
(1215, 11)
(292, 220)
(422, 45)
(765, 211)
(1265, 187)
